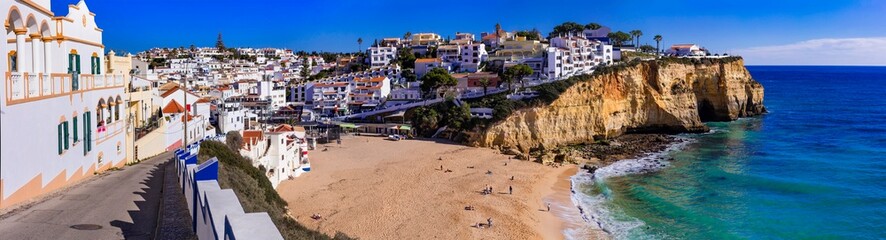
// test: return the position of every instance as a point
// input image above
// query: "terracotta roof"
(283, 128)
(202, 100)
(173, 107)
(169, 91)
(427, 60)
(252, 137)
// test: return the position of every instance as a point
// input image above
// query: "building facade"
(63, 116)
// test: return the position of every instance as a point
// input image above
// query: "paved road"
(124, 204)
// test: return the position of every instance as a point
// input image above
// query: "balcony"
(27, 87)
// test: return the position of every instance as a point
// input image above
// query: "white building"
(370, 92)
(382, 56)
(231, 117)
(331, 98)
(282, 152)
(573, 55)
(424, 65)
(687, 49)
(55, 91)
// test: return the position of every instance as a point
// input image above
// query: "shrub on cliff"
(255, 191)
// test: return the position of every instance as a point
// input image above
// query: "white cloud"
(827, 51)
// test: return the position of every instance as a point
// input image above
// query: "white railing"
(46, 83)
(33, 82)
(98, 81)
(17, 86)
(58, 83)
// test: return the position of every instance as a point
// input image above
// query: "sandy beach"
(372, 188)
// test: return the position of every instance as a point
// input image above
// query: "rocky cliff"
(669, 96)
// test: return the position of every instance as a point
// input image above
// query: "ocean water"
(813, 168)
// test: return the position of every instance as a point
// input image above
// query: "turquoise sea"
(812, 168)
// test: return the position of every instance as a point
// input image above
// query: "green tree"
(485, 83)
(593, 26)
(436, 79)
(234, 140)
(518, 72)
(219, 43)
(305, 69)
(529, 34)
(407, 35)
(457, 117)
(635, 34)
(657, 39)
(566, 28)
(408, 74)
(425, 119)
(646, 48)
(406, 58)
(619, 38)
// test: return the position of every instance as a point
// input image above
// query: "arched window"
(98, 115)
(74, 69)
(117, 109)
(13, 64)
(111, 104)
(96, 64)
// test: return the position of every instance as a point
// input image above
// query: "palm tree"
(485, 83)
(657, 39)
(407, 35)
(635, 34)
(359, 44)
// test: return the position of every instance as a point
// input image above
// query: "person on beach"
(511, 190)
(549, 207)
(512, 178)
(489, 222)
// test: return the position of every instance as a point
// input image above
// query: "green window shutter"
(67, 135)
(60, 149)
(70, 62)
(85, 133)
(89, 130)
(77, 57)
(76, 135)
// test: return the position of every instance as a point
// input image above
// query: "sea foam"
(595, 209)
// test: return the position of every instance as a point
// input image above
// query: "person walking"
(549, 207)
(511, 190)
(489, 222)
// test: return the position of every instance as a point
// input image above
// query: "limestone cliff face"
(648, 97)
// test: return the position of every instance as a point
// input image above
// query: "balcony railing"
(26, 87)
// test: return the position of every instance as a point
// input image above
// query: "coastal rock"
(652, 96)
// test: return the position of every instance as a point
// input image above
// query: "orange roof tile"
(283, 128)
(251, 137)
(173, 107)
(202, 100)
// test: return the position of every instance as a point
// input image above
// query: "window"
(96, 64)
(13, 63)
(87, 132)
(110, 112)
(61, 137)
(117, 112)
(74, 69)
(76, 137)
(63, 142)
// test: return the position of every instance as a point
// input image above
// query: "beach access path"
(115, 204)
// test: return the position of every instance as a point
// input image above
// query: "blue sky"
(814, 32)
